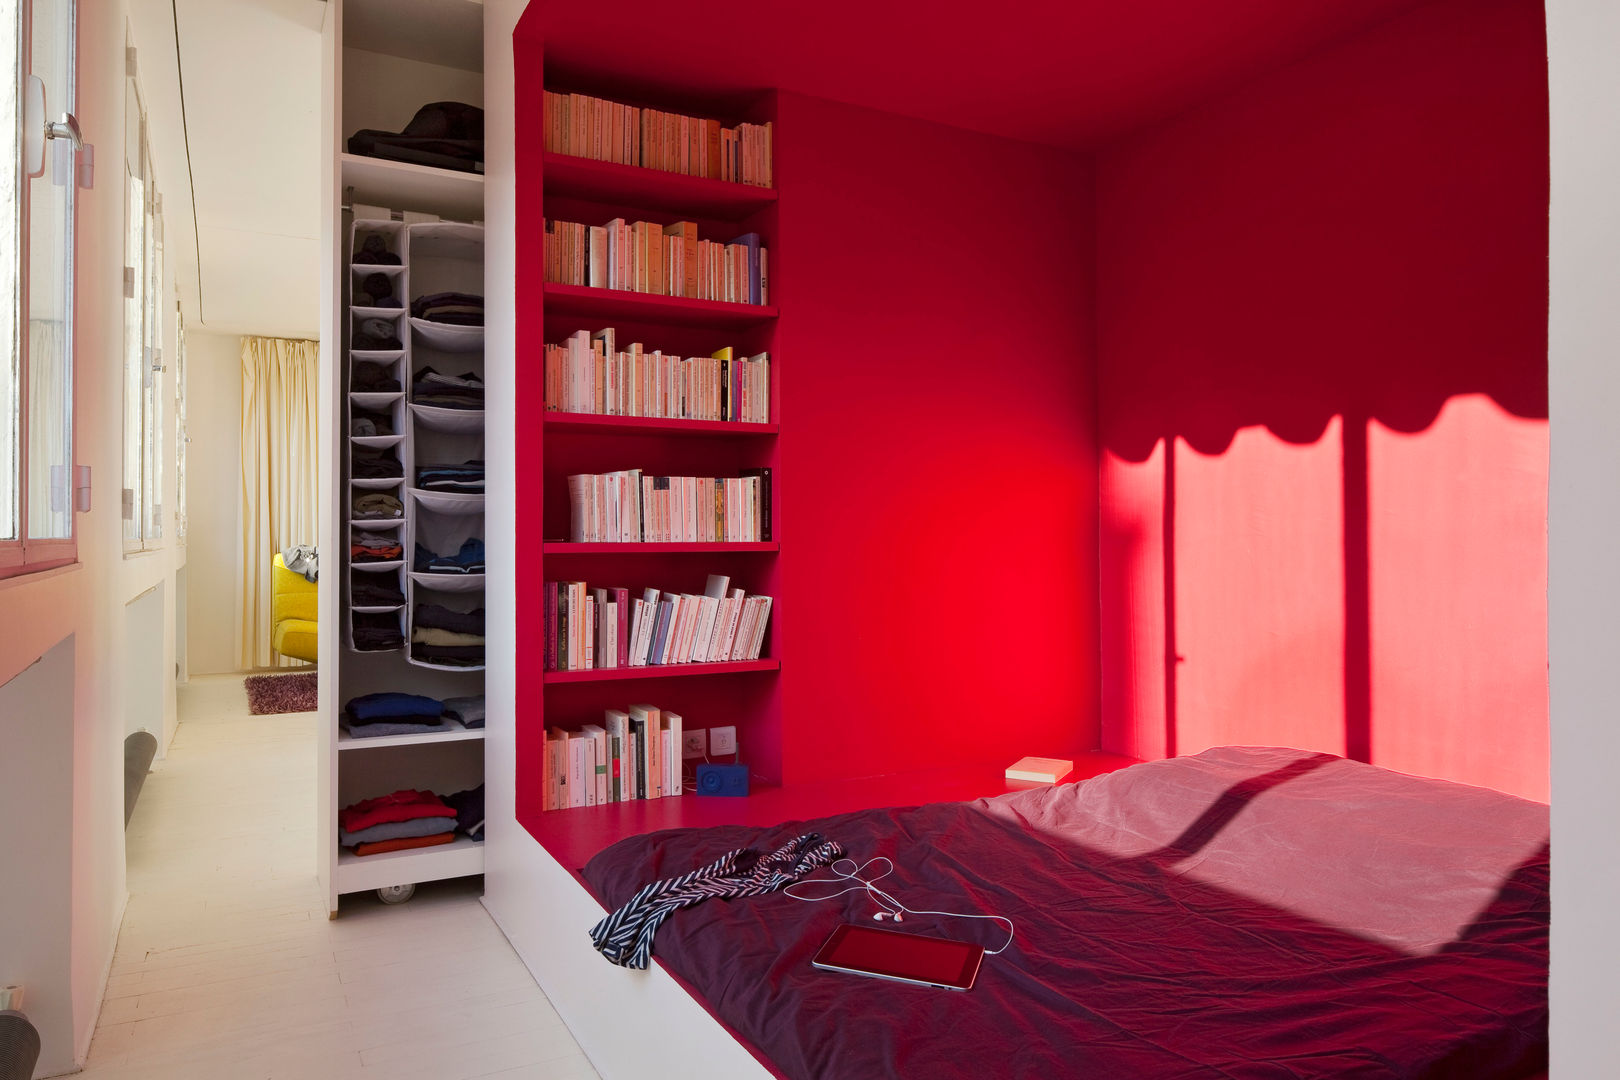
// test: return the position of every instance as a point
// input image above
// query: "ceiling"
(247, 145)
(1069, 74)
(238, 161)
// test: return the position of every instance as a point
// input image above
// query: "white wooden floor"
(228, 969)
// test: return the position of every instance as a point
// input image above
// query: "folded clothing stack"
(376, 334)
(375, 463)
(375, 590)
(469, 710)
(469, 808)
(369, 378)
(469, 559)
(452, 308)
(367, 546)
(453, 638)
(376, 506)
(443, 134)
(464, 391)
(364, 422)
(467, 476)
(374, 715)
(396, 822)
(374, 252)
(376, 290)
(376, 631)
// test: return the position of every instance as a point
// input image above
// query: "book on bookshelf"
(720, 624)
(588, 374)
(635, 753)
(602, 130)
(666, 260)
(631, 507)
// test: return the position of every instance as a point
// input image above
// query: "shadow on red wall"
(1323, 401)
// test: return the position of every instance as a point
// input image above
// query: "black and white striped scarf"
(625, 937)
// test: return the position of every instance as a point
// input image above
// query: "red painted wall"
(1322, 389)
(938, 477)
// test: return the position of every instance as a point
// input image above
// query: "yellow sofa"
(292, 611)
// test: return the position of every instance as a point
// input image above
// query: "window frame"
(25, 554)
(143, 504)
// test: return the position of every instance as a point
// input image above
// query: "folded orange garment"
(377, 847)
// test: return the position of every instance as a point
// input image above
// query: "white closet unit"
(395, 232)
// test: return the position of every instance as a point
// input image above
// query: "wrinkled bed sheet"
(1249, 913)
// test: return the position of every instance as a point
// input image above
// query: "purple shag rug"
(281, 693)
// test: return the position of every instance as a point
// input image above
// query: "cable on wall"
(185, 130)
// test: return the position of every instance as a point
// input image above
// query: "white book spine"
(576, 771)
(675, 726)
(760, 625)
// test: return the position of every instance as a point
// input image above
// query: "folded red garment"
(377, 847)
(400, 806)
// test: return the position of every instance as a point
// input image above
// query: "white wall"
(369, 100)
(36, 771)
(144, 674)
(83, 605)
(213, 499)
(1584, 521)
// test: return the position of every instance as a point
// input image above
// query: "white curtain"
(50, 445)
(280, 463)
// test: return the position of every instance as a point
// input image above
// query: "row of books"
(630, 507)
(593, 127)
(588, 373)
(590, 628)
(667, 260)
(633, 754)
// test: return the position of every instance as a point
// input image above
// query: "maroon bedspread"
(1246, 913)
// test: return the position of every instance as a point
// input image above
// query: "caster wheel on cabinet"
(396, 894)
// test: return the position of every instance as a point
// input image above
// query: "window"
(143, 334)
(182, 436)
(36, 294)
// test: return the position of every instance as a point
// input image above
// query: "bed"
(1243, 913)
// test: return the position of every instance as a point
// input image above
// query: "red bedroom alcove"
(1222, 420)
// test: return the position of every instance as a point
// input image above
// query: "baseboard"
(81, 1051)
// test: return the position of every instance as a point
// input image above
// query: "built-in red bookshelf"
(745, 694)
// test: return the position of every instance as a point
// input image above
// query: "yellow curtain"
(280, 463)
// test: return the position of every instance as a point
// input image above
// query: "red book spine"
(622, 598)
(551, 626)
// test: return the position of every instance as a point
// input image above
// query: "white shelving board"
(460, 734)
(450, 194)
(360, 873)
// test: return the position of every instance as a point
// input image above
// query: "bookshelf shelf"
(662, 671)
(559, 547)
(582, 301)
(572, 177)
(589, 423)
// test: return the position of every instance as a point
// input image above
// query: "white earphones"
(846, 870)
